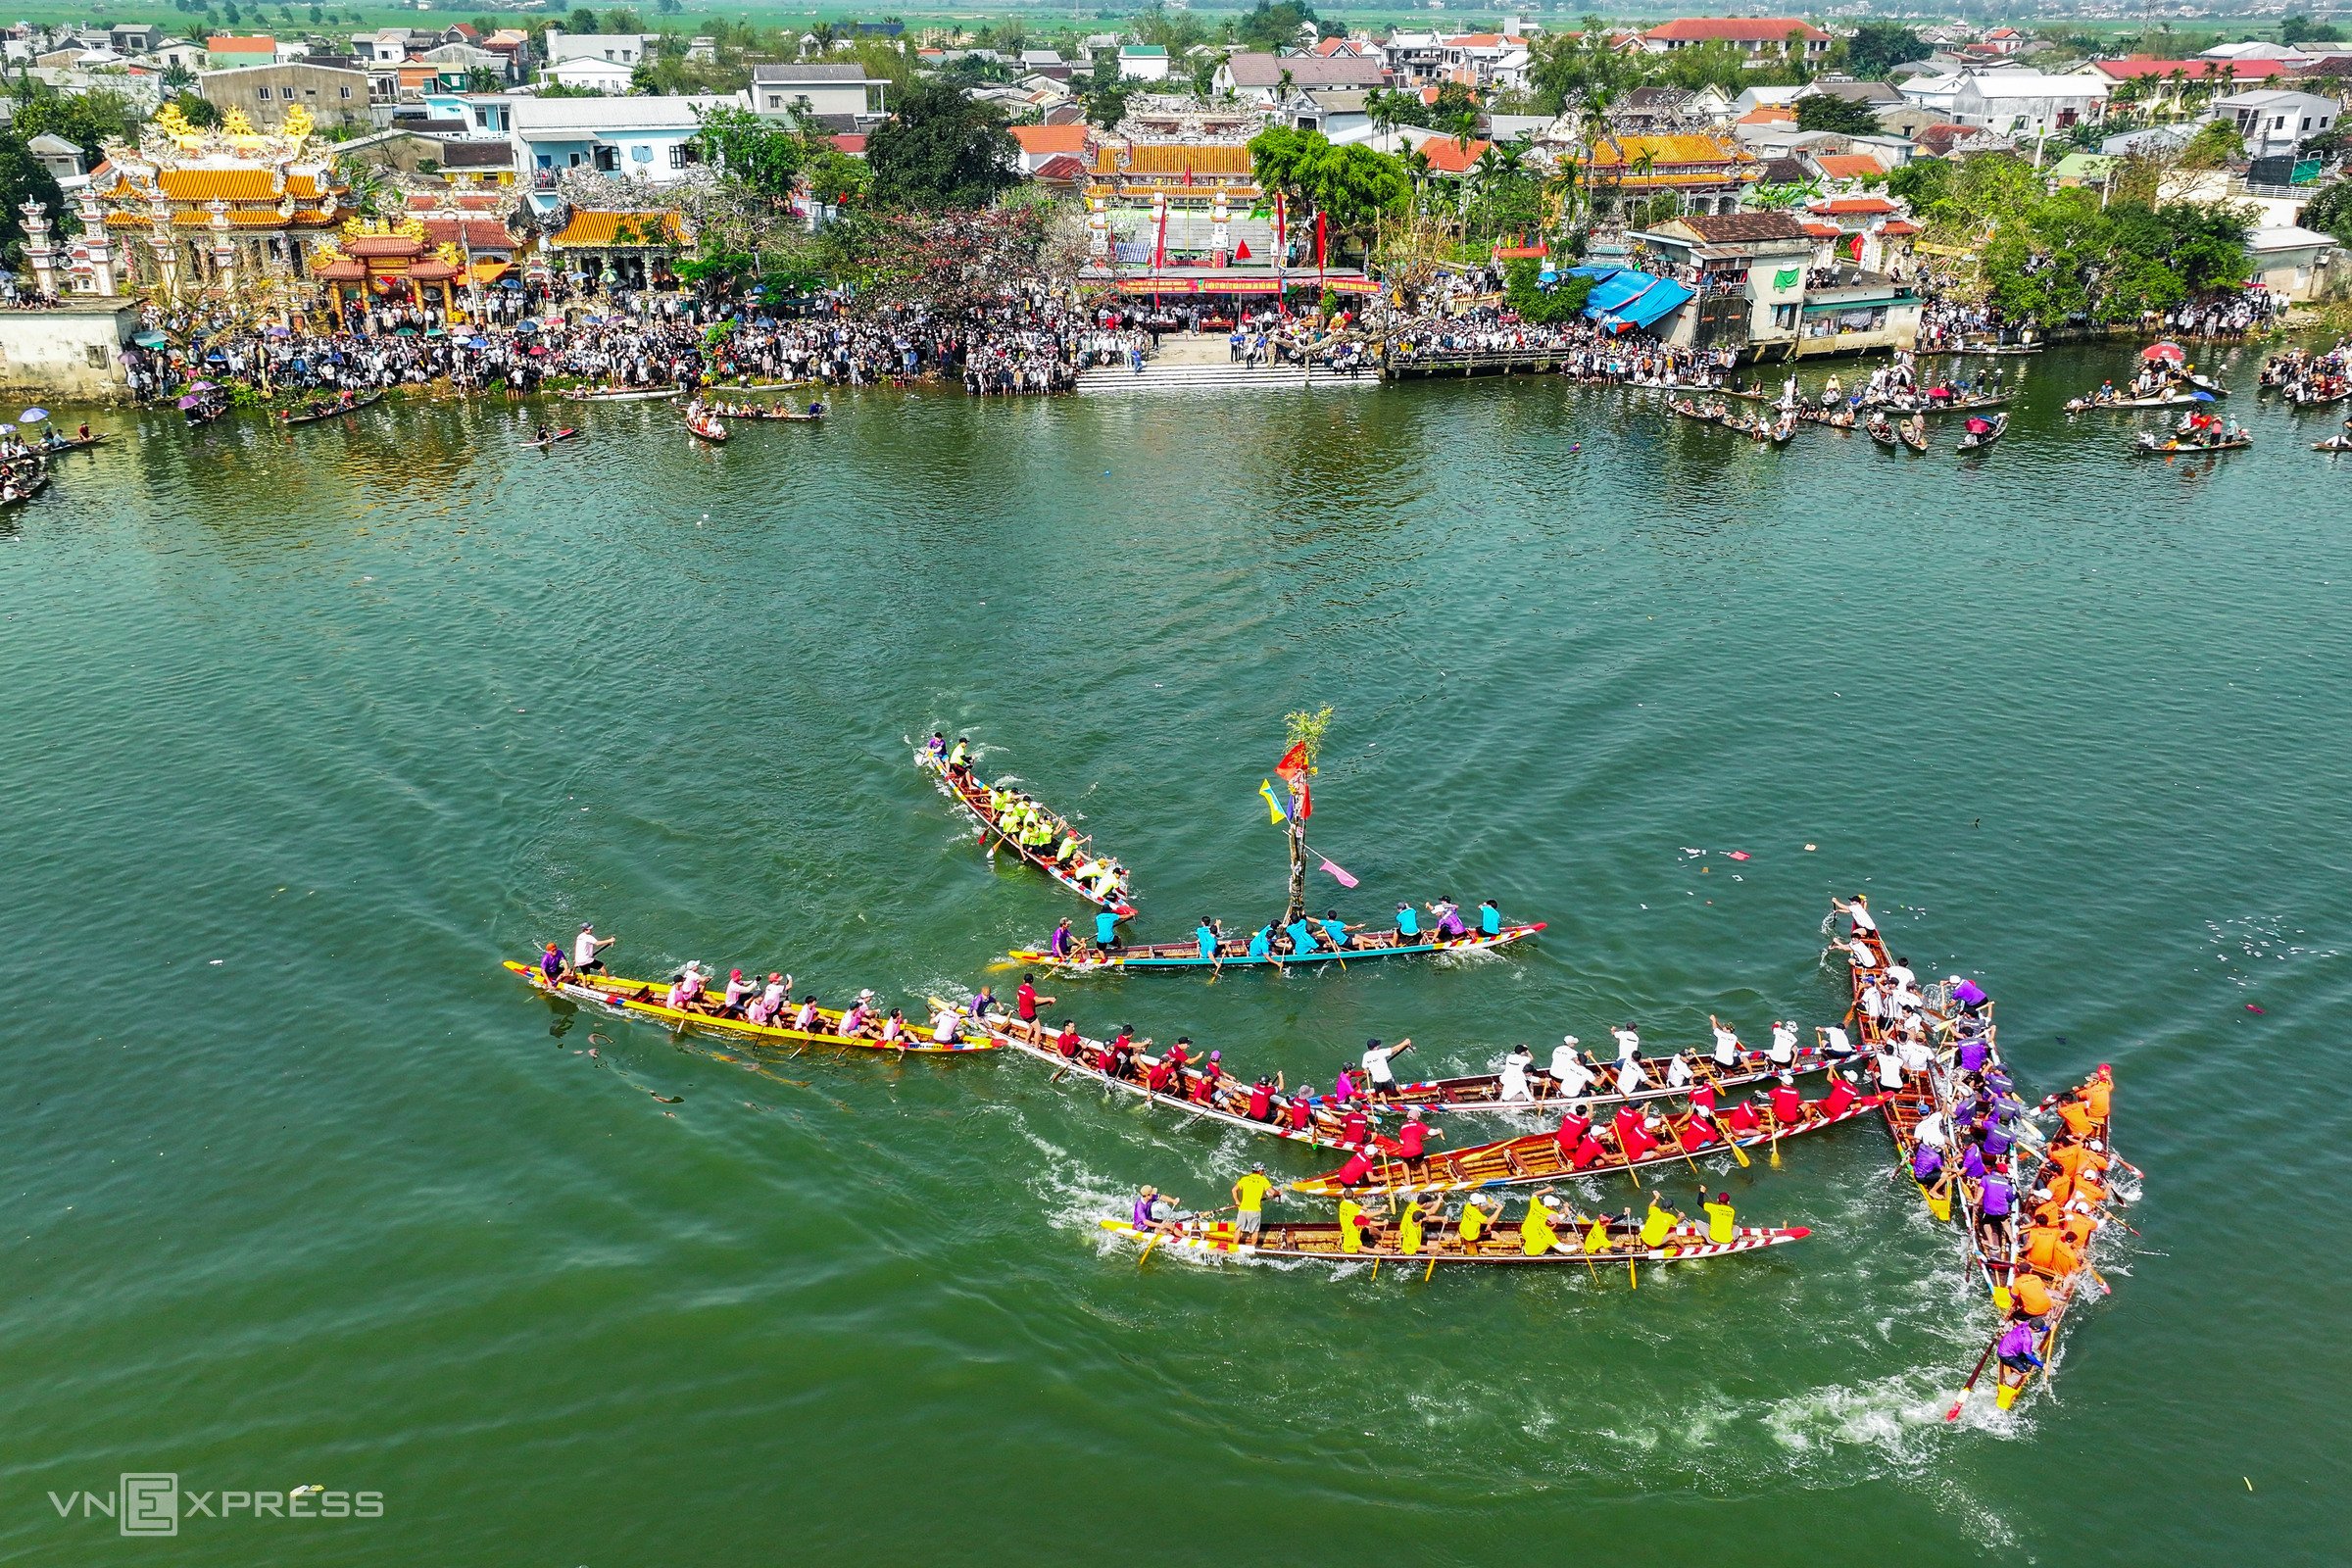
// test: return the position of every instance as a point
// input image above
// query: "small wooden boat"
(1234, 953)
(2097, 405)
(971, 795)
(1975, 440)
(1226, 1100)
(287, 416)
(1694, 410)
(76, 443)
(1784, 427)
(566, 434)
(2319, 398)
(707, 428)
(1882, 429)
(648, 1000)
(1483, 1092)
(26, 489)
(1914, 433)
(1712, 391)
(1947, 405)
(2148, 445)
(1688, 1134)
(2335, 443)
(620, 393)
(1442, 1242)
(1994, 350)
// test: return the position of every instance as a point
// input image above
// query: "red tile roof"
(851, 143)
(1060, 170)
(1848, 166)
(1897, 229)
(258, 44)
(1037, 140)
(1823, 230)
(1856, 205)
(1738, 29)
(1447, 156)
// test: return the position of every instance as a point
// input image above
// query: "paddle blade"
(1953, 1414)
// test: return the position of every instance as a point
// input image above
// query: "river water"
(308, 731)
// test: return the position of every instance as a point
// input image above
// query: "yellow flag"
(1273, 807)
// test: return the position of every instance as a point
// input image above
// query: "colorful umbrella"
(203, 386)
(33, 415)
(2170, 353)
(191, 399)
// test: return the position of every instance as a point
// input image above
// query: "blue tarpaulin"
(1634, 298)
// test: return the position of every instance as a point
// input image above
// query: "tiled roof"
(1060, 168)
(481, 233)
(1040, 139)
(477, 155)
(1664, 151)
(591, 229)
(381, 245)
(225, 45)
(850, 143)
(1447, 156)
(1849, 166)
(1740, 229)
(225, 184)
(1175, 157)
(1305, 71)
(1898, 227)
(1823, 230)
(1857, 205)
(1769, 115)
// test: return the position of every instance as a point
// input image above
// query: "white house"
(2287, 260)
(1261, 78)
(648, 138)
(592, 75)
(2026, 102)
(1142, 62)
(620, 48)
(2276, 123)
(825, 88)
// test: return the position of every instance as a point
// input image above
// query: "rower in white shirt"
(1931, 1130)
(1568, 1070)
(1727, 1042)
(1890, 1071)
(1377, 1072)
(1857, 912)
(1899, 972)
(1629, 1044)
(1913, 1054)
(1513, 1087)
(1832, 1040)
(1679, 1074)
(1630, 1077)
(1783, 1043)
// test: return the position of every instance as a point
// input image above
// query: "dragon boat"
(1324, 1242)
(1598, 1149)
(648, 999)
(969, 793)
(1483, 1092)
(1234, 953)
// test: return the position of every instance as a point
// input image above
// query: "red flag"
(1159, 245)
(1321, 235)
(1242, 252)
(1293, 771)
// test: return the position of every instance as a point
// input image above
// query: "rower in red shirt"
(1261, 1098)
(1355, 1131)
(1068, 1041)
(1297, 1113)
(1703, 1100)
(1412, 1138)
(1589, 1151)
(1632, 1135)
(1839, 1099)
(1357, 1168)
(1573, 1129)
(1696, 1133)
(1744, 1118)
(1162, 1073)
(1787, 1105)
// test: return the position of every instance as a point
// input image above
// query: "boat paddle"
(1968, 1388)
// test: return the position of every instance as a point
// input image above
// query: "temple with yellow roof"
(227, 211)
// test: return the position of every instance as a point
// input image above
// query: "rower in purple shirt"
(1968, 994)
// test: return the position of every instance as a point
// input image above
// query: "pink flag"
(1339, 876)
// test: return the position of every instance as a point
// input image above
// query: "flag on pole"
(1242, 252)
(1265, 788)
(1337, 875)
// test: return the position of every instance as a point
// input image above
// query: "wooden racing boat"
(288, 416)
(1234, 953)
(971, 795)
(617, 394)
(1188, 1091)
(1537, 1158)
(1483, 1092)
(1442, 1243)
(648, 999)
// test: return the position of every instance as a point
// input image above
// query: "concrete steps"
(1159, 378)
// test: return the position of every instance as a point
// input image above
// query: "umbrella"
(2202, 397)
(191, 399)
(478, 343)
(1977, 426)
(526, 325)
(538, 348)
(201, 386)
(281, 331)
(2170, 353)
(33, 415)
(148, 339)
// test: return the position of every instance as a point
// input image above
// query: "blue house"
(646, 138)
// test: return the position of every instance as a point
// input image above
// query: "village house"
(820, 89)
(1762, 40)
(1746, 272)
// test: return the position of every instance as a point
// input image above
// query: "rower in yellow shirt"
(1354, 1225)
(1249, 1203)
(1409, 1228)
(1720, 1219)
(1537, 1235)
(1657, 1222)
(1475, 1221)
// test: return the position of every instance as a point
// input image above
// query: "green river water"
(307, 732)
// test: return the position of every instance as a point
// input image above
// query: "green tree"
(943, 150)
(622, 20)
(1275, 26)
(1524, 292)
(2302, 30)
(23, 178)
(1354, 187)
(1716, 63)
(2215, 145)
(1878, 47)
(582, 20)
(1825, 111)
(1923, 183)
(762, 156)
(2330, 211)
(1454, 101)
(1106, 99)
(198, 108)
(87, 120)
(1570, 69)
